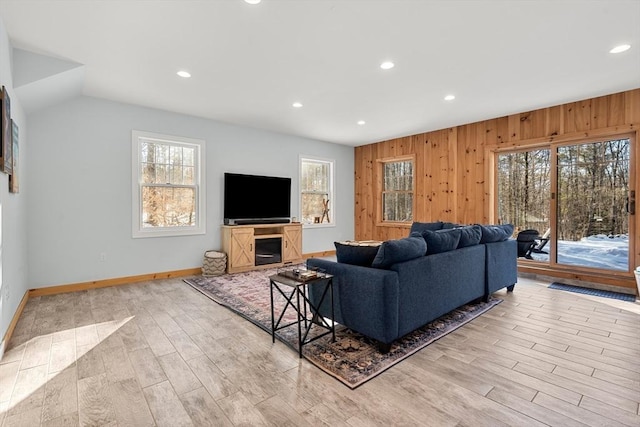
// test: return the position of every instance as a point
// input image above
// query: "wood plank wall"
(453, 166)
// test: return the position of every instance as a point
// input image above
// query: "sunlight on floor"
(31, 381)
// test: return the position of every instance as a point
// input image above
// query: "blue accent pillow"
(442, 240)
(469, 235)
(495, 233)
(355, 254)
(395, 251)
(420, 227)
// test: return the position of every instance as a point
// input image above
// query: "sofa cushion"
(469, 235)
(449, 225)
(441, 241)
(495, 233)
(356, 253)
(420, 227)
(400, 250)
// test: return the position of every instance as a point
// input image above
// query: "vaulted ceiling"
(250, 63)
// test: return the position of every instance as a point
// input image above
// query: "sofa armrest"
(365, 299)
(502, 265)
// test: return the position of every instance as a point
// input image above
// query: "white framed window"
(317, 201)
(168, 191)
(397, 190)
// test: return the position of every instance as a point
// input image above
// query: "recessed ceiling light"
(387, 65)
(184, 74)
(361, 122)
(449, 97)
(252, 1)
(297, 105)
(621, 48)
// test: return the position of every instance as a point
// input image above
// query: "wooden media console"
(253, 247)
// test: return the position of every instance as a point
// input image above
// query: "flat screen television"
(255, 199)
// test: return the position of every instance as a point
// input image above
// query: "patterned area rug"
(353, 359)
(594, 292)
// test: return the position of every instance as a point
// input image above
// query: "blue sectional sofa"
(387, 292)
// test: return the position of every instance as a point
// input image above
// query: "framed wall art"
(6, 160)
(2, 128)
(15, 154)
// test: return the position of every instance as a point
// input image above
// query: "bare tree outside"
(397, 191)
(315, 187)
(524, 188)
(593, 184)
(168, 185)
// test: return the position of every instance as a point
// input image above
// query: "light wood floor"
(160, 353)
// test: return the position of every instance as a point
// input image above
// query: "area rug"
(353, 359)
(593, 292)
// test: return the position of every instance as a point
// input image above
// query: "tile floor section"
(160, 353)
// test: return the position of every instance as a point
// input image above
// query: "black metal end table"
(293, 287)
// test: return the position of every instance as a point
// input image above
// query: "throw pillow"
(495, 233)
(395, 251)
(442, 240)
(420, 227)
(355, 254)
(469, 235)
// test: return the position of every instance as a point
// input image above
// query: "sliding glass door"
(576, 196)
(592, 204)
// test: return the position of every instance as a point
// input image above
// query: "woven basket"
(215, 263)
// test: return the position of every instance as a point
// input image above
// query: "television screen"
(253, 197)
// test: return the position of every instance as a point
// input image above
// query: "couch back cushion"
(442, 240)
(495, 233)
(395, 251)
(356, 253)
(421, 227)
(469, 235)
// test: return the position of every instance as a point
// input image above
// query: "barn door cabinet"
(242, 245)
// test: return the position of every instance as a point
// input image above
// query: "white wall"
(79, 203)
(13, 208)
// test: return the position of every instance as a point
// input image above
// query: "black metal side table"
(294, 289)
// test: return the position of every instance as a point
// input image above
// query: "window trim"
(332, 191)
(138, 231)
(380, 222)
